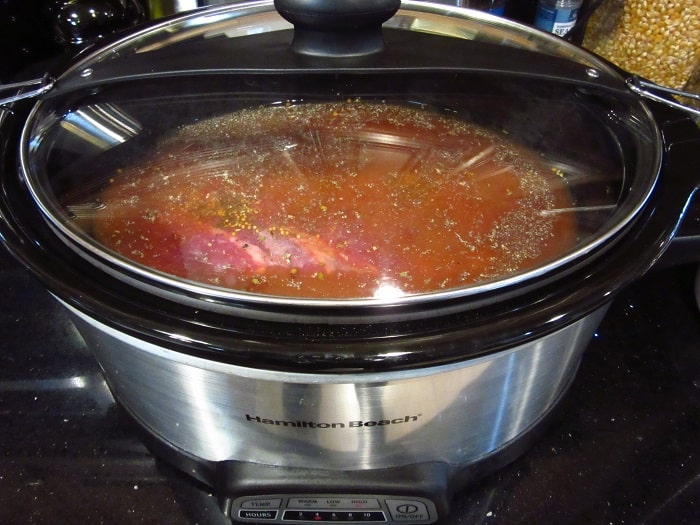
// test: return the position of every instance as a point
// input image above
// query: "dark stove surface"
(625, 448)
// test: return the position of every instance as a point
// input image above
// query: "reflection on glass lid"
(333, 200)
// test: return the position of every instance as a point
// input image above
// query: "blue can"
(557, 16)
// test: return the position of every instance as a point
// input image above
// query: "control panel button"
(406, 510)
(329, 502)
(303, 503)
(246, 514)
(262, 503)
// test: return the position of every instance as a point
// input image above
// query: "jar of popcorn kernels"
(658, 40)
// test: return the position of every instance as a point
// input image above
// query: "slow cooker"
(368, 408)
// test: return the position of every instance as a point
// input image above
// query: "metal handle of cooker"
(45, 84)
(650, 90)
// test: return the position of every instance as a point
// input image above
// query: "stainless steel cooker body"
(457, 413)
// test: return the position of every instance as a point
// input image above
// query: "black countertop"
(625, 447)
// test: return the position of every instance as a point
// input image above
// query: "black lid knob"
(337, 28)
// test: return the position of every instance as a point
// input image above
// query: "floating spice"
(337, 200)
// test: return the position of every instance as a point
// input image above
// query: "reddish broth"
(337, 200)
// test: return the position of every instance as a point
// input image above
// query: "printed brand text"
(329, 424)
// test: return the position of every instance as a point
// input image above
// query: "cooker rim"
(335, 348)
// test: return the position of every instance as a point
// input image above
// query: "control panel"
(333, 508)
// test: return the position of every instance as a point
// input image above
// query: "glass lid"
(465, 154)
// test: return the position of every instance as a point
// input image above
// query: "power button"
(408, 510)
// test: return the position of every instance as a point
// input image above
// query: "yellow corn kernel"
(658, 40)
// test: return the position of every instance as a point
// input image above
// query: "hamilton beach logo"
(348, 424)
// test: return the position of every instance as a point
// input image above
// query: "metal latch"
(39, 85)
(644, 89)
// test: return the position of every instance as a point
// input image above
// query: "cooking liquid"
(336, 200)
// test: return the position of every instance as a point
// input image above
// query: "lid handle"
(337, 28)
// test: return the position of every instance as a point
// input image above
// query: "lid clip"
(45, 84)
(644, 89)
